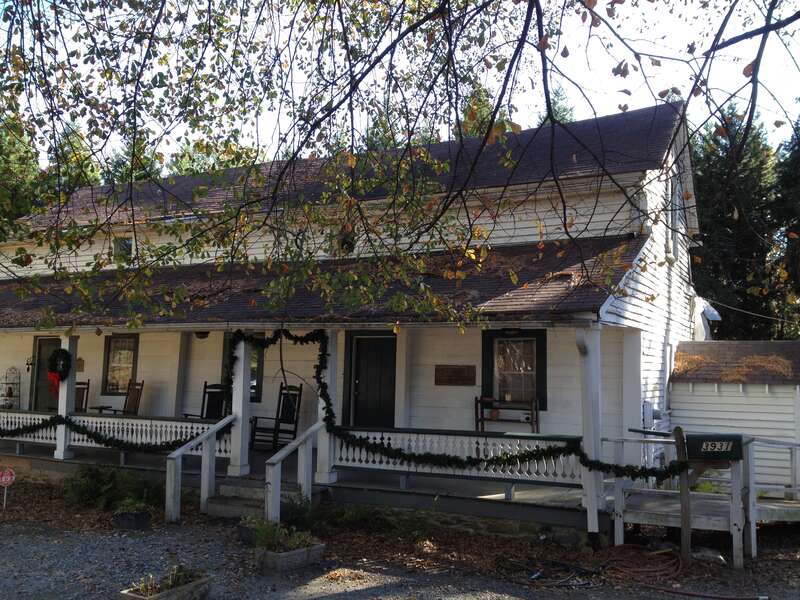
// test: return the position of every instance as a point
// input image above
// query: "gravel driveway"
(41, 563)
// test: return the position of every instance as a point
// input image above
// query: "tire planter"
(270, 562)
(194, 590)
(138, 520)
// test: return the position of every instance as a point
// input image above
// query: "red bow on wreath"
(54, 381)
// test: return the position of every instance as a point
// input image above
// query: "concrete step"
(251, 489)
(234, 508)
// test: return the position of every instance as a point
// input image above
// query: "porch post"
(66, 398)
(588, 341)
(632, 394)
(402, 378)
(326, 443)
(240, 433)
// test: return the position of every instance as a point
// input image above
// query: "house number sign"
(705, 446)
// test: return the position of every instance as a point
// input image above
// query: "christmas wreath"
(58, 367)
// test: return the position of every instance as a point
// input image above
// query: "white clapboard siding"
(658, 293)
(452, 407)
(750, 409)
(515, 215)
(204, 363)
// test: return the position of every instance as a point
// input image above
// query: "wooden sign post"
(685, 496)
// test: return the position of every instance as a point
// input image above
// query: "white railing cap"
(287, 450)
(191, 445)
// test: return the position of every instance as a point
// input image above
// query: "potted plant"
(178, 584)
(131, 514)
(279, 548)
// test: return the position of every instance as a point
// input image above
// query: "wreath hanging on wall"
(59, 365)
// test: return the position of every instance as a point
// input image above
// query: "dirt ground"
(54, 550)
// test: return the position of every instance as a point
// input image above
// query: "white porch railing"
(564, 470)
(137, 430)
(304, 446)
(146, 430)
(11, 419)
(206, 443)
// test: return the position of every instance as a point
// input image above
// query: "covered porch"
(414, 386)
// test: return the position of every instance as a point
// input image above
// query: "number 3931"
(718, 446)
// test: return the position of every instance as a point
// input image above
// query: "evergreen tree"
(735, 192)
(787, 214)
(562, 109)
(72, 164)
(477, 113)
(194, 158)
(135, 162)
(19, 169)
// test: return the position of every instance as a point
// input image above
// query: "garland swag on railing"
(570, 448)
(95, 436)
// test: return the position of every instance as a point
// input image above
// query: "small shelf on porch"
(482, 405)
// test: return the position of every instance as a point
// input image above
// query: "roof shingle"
(745, 361)
(622, 143)
(552, 284)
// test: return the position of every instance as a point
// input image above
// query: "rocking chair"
(132, 398)
(281, 429)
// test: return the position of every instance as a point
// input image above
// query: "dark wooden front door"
(43, 400)
(373, 381)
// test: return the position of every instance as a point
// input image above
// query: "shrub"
(277, 538)
(129, 505)
(105, 487)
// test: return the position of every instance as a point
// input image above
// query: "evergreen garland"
(320, 337)
(98, 438)
(570, 448)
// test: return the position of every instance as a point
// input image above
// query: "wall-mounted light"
(201, 335)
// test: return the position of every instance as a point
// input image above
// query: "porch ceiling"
(556, 281)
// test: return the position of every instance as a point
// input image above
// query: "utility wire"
(747, 312)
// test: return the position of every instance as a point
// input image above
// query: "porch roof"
(554, 282)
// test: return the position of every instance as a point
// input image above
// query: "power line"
(752, 314)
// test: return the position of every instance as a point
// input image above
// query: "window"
(119, 363)
(123, 249)
(256, 368)
(515, 365)
(515, 370)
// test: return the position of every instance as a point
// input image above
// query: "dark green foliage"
(72, 164)
(135, 162)
(326, 519)
(109, 488)
(19, 169)
(195, 158)
(736, 209)
(787, 213)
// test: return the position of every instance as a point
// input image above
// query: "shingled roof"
(745, 361)
(633, 141)
(551, 285)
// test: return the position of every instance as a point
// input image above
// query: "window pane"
(120, 363)
(515, 370)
